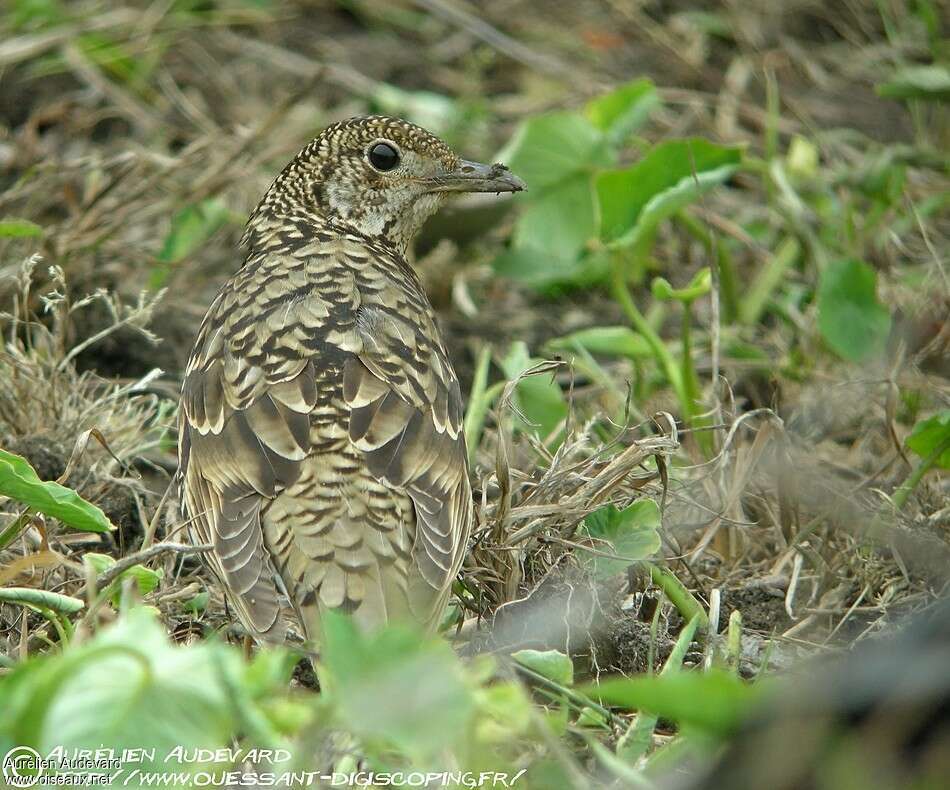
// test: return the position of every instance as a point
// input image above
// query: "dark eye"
(383, 157)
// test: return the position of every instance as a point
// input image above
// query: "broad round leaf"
(850, 318)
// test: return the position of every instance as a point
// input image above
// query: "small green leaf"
(918, 82)
(29, 596)
(197, 604)
(551, 664)
(538, 398)
(12, 228)
(850, 318)
(19, 481)
(633, 201)
(699, 286)
(930, 434)
(561, 222)
(191, 227)
(802, 159)
(631, 534)
(36, 14)
(549, 148)
(620, 341)
(624, 110)
(145, 578)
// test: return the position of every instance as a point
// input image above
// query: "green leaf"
(561, 222)
(11, 228)
(19, 481)
(505, 712)
(36, 14)
(918, 82)
(396, 685)
(549, 272)
(633, 201)
(191, 227)
(624, 110)
(551, 664)
(197, 604)
(620, 341)
(714, 701)
(803, 158)
(43, 598)
(548, 148)
(852, 321)
(930, 434)
(630, 533)
(128, 687)
(638, 739)
(538, 398)
(145, 578)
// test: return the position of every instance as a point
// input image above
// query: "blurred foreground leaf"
(714, 701)
(850, 318)
(128, 687)
(395, 686)
(19, 481)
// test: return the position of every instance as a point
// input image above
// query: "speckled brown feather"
(321, 443)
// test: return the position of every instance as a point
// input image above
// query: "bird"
(321, 445)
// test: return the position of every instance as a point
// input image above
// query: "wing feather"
(253, 400)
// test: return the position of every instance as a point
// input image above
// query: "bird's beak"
(476, 177)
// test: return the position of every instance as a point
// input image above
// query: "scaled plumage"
(320, 437)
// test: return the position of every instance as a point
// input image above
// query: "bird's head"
(382, 177)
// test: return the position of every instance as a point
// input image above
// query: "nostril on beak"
(468, 169)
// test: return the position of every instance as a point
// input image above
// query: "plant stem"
(660, 352)
(768, 280)
(679, 596)
(913, 479)
(691, 383)
(718, 249)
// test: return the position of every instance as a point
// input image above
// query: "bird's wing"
(244, 427)
(406, 418)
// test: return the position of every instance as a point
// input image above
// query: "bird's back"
(322, 451)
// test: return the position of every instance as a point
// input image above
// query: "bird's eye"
(383, 157)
